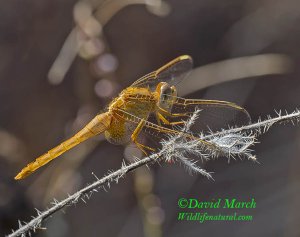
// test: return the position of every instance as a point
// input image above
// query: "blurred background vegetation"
(61, 62)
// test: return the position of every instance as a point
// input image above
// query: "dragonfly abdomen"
(96, 126)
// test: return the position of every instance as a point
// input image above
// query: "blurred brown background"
(116, 42)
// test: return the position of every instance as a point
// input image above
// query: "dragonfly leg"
(135, 134)
(160, 117)
(167, 113)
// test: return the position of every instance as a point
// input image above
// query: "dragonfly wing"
(214, 114)
(149, 128)
(172, 73)
(158, 132)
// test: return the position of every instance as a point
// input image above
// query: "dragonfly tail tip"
(18, 176)
(22, 174)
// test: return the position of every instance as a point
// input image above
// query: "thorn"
(104, 188)
(95, 175)
(41, 228)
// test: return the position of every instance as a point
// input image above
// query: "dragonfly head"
(167, 95)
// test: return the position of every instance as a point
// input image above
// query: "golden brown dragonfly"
(128, 114)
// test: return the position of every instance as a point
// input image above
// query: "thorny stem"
(35, 223)
(262, 126)
(257, 128)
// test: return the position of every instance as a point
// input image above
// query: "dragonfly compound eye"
(166, 96)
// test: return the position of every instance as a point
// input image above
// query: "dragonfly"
(127, 115)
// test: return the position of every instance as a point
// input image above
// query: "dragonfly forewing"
(172, 73)
(214, 115)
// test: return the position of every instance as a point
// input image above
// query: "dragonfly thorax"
(139, 102)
